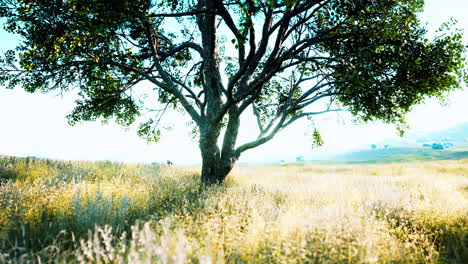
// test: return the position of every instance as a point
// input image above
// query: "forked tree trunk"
(217, 164)
(215, 168)
(215, 171)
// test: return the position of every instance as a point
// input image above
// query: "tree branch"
(181, 14)
(188, 44)
(257, 116)
(262, 139)
(299, 116)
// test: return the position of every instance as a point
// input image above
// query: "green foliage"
(149, 131)
(76, 52)
(381, 68)
(386, 66)
(317, 140)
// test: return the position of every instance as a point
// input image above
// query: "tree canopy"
(216, 58)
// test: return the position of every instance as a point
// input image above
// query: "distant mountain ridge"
(457, 133)
(414, 147)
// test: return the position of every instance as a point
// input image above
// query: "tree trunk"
(214, 168)
(216, 165)
(210, 154)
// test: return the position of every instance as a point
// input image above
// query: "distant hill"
(458, 133)
(413, 147)
(457, 136)
(401, 155)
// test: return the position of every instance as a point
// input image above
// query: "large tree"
(215, 59)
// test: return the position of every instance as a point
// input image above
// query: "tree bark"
(210, 159)
(210, 153)
(216, 164)
(215, 168)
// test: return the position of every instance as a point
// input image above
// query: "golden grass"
(116, 213)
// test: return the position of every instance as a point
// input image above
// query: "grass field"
(102, 212)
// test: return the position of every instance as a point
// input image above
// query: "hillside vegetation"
(102, 212)
(401, 154)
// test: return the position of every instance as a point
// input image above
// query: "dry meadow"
(102, 212)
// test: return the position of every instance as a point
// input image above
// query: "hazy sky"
(35, 124)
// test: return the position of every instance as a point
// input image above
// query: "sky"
(35, 124)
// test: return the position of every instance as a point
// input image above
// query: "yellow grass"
(392, 213)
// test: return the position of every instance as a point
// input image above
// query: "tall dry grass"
(67, 212)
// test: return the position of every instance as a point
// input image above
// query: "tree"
(215, 59)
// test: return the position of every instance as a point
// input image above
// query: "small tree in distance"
(369, 57)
